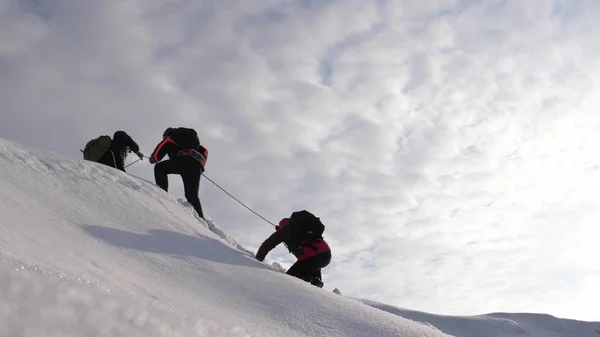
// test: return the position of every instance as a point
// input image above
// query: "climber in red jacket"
(186, 158)
(309, 247)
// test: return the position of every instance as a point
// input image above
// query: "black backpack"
(186, 138)
(304, 226)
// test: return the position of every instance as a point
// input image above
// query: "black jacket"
(120, 145)
(180, 142)
(282, 234)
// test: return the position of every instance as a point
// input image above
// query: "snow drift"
(86, 250)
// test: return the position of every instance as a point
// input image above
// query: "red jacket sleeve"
(204, 153)
(161, 150)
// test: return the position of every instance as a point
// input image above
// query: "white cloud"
(450, 146)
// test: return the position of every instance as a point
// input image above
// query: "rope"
(221, 188)
(229, 194)
(114, 160)
(234, 198)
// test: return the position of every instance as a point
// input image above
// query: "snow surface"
(86, 250)
(497, 324)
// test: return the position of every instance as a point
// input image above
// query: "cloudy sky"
(450, 146)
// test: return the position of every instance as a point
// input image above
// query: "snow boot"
(315, 281)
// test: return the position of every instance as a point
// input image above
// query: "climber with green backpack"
(111, 152)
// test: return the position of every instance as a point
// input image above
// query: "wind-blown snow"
(86, 250)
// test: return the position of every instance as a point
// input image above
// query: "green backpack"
(96, 148)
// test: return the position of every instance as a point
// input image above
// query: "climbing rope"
(229, 194)
(236, 199)
(221, 188)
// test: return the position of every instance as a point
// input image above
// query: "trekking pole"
(132, 163)
(125, 165)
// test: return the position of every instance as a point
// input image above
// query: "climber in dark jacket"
(186, 158)
(120, 145)
(312, 255)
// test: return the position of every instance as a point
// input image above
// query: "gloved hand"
(139, 154)
(151, 160)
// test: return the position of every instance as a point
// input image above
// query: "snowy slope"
(497, 324)
(38, 302)
(86, 250)
(100, 248)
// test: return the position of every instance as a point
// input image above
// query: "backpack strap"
(114, 159)
(309, 244)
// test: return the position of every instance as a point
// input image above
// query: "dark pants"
(309, 270)
(190, 171)
(112, 159)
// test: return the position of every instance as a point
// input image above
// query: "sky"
(450, 147)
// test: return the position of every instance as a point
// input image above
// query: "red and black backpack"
(305, 227)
